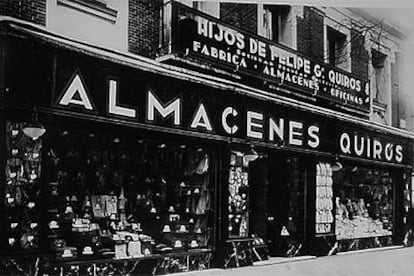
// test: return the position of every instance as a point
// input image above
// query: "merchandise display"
(364, 205)
(22, 191)
(238, 216)
(108, 197)
(324, 199)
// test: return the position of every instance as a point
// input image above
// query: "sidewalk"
(395, 261)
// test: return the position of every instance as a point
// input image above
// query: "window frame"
(96, 8)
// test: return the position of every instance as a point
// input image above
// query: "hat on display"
(193, 244)
(153, 210)
(136, 226)
(68, 209)
(67, 253)
(196, 190)
(178, 244)
(12, 241)
(87, 250)
(183, 229)
(198, 230)
(166, 229)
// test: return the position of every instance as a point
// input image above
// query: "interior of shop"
(280, 219)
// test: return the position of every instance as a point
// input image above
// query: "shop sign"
(233, 120)
(228, 117)
(206, 38)
(370, 146)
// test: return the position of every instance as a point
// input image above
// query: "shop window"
(364, 207)
(243, 246)
(324, 199)
(109, 197)
(277, 25)
(337, 53)
(22, 192)
(238, 216)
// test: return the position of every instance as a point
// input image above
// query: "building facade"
(152, 137)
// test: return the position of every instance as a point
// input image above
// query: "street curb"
(370, 250)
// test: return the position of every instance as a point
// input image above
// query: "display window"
(238, 217)
(107, 193)
(324, 199)
(364, 205)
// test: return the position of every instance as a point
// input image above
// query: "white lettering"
(250, 124)
(113, 107)
(226, 112)
(398, 153)
(274, 128)
(360, 150)
(172, 108)
(389, 151)
(76, 87)
(313, 132)
(295, 129)
(377, 149)
(201, 119)
(345, 143)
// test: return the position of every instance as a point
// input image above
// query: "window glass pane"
(364, 203)
(106, 192)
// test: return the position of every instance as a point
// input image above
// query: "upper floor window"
(210, 7)
(275, 23)
(97, 2)
(97, 8)
(381, 87)
(336, 52)
(379, 76)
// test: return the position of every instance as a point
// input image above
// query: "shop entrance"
(278, 185)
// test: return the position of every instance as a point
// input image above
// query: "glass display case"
(364, 206)
(238, 200)
(324, 199)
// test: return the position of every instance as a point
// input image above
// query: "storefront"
(116, 164)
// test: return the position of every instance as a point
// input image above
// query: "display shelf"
(191, 252)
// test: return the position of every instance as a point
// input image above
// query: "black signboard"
(73, 83)
(200, 36)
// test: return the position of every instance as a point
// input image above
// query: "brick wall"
(243, 16)
(33, 10)
(143, 27)
(310, 33)
(359, 55)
